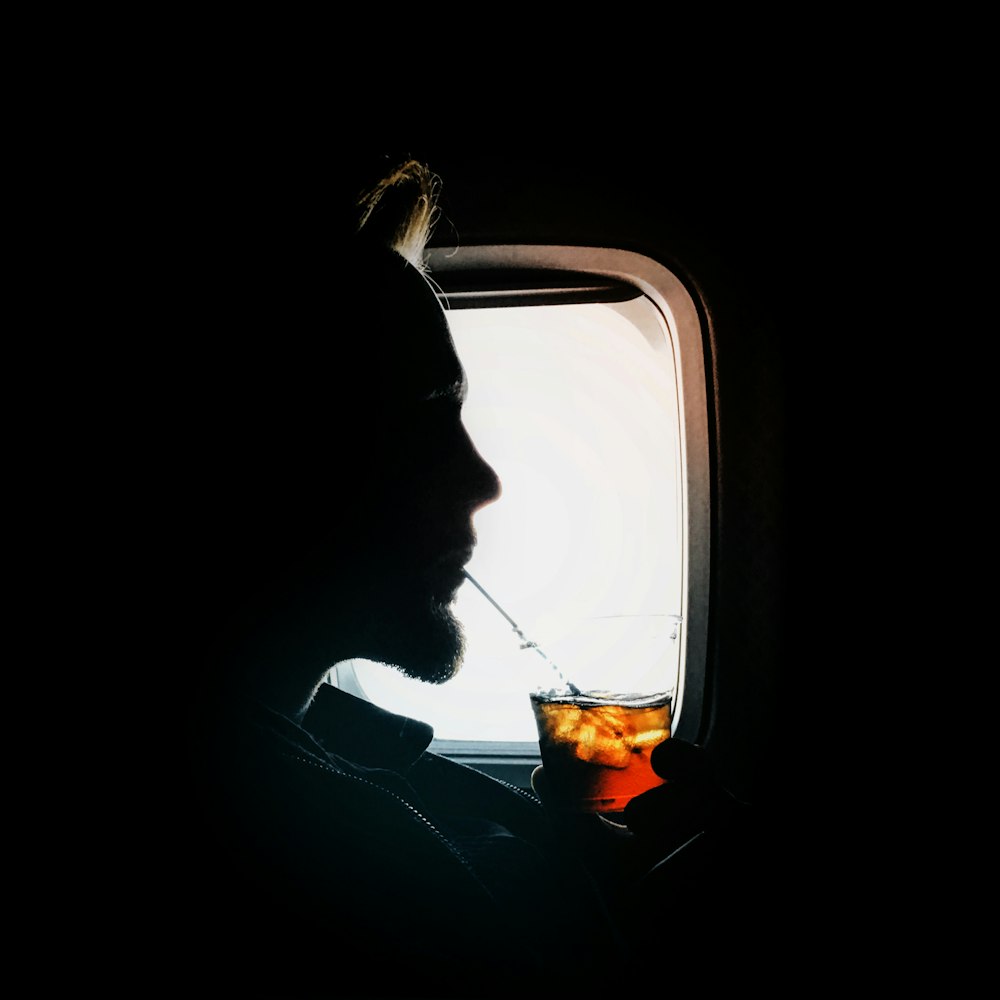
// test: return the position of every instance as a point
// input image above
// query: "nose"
(484, 483)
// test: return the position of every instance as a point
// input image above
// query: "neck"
(281, 657)
(291, 700)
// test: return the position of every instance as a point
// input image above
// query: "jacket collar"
(361, 732)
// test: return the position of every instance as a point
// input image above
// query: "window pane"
(575, 406)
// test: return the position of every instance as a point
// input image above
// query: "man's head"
(334, 469)
(410, 513)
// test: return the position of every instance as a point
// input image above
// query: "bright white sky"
(576, 408)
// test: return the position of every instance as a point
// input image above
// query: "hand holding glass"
(596, 746)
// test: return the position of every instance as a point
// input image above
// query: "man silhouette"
(336, 487)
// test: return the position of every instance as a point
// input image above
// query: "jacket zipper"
(453, 850)
(513, 788)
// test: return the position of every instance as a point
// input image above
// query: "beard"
(386, 597)
(416, 632)
(434, 647)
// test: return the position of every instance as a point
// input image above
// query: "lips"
(447, 572)
(461, 556)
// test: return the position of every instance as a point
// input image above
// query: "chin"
(427, 644)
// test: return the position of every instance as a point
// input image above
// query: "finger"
(669, 804)
(538, 782)
(676, 760)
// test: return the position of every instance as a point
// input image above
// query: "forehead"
(414, 351)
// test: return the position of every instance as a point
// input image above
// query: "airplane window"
(579, 408)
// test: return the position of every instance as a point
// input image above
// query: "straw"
(526, 643)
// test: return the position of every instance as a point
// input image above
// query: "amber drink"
(595, 746)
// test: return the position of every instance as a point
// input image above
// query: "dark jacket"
(344, 859)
